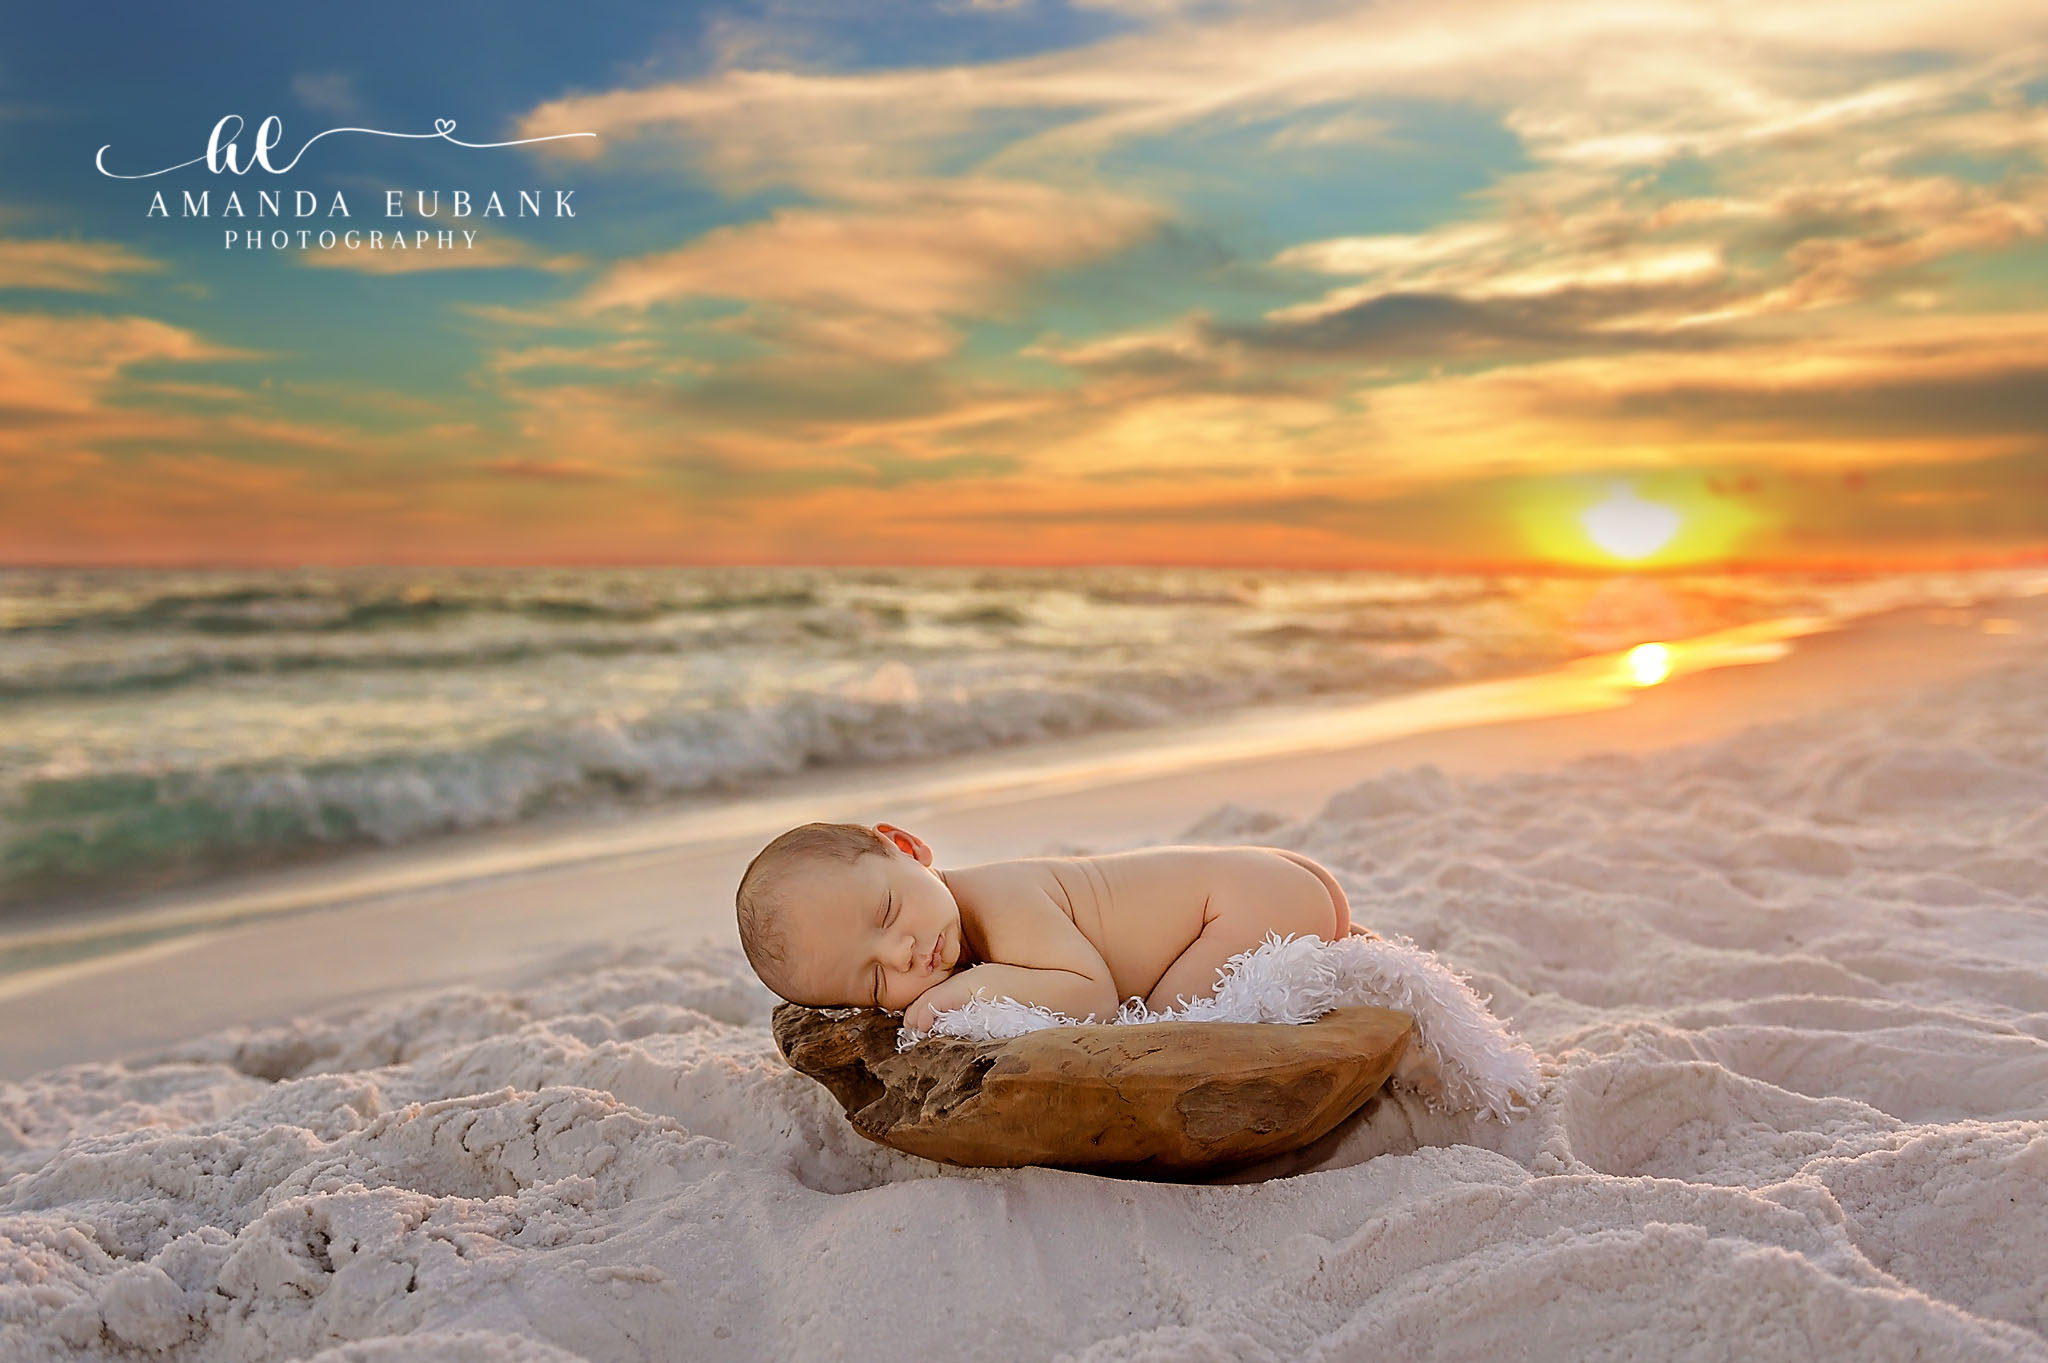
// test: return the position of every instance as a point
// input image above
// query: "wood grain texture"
(1165, 1098)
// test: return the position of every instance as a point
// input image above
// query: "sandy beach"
(1777, 930)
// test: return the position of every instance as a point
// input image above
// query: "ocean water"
(161, 725)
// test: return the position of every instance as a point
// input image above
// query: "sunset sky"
(1423, 284)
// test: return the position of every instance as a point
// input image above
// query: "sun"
(1647, 664)
(1628, 527)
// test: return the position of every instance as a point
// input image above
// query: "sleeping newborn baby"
(856, 916)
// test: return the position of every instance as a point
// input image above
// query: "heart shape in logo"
(444, 126)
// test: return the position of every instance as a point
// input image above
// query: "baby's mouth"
(937, 947)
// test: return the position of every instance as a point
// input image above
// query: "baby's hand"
(920, 1016)
(946, 994)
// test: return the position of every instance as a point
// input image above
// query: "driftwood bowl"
(1169, 1098)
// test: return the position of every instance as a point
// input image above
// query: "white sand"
(1790, 989)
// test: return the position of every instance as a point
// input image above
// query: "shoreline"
(269, 945)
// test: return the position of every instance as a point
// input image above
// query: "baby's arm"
(1064, 991)
(1040, 957)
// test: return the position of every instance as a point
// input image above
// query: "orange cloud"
(78, 415)
(72, 266)
(55, 364)
(877, 275)
(548, 470)
(490, 252)
(1802, 401)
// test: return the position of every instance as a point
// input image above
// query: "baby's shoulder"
(1009, 901)
(1022, 915)
(1022, 881)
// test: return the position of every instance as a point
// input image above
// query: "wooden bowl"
(1171, 1098)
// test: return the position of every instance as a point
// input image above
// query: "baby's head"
(844, 915)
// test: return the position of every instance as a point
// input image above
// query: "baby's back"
(1142, 908)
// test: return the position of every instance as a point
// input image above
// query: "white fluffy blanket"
(1461, 1057)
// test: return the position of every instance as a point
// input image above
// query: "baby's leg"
(1231, 928)
(1193, 972)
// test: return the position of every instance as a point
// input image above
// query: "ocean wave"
(46, 663)
(262, 610)
(145, 745)
(177, 666)
(1371, 629)
(67, 834)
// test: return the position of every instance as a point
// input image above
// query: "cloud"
(637, 354)
(1930, 389)
(879, 276)
(1667, 267)
(1347, 129)
(71, 266)
(549, 470)
(1582, 81)
(920, 247)
(107, 465)
(490, 252)
(1191, 355)
(1896, 394)
(330, 92)
(1803, 112)
(1412, 326)
(57, 364)
(1983, 511)
(1910, 386)
(1398, 253)
(803, 398)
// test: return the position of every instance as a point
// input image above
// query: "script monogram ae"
(268, 134)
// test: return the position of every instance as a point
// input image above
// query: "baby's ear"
(911, 844)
